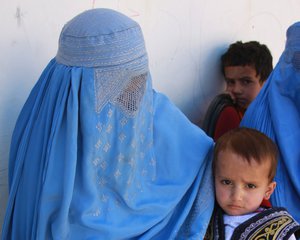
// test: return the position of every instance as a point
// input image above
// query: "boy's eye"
(226, 182)
(246, 81)
(229, 82)
(251, 186)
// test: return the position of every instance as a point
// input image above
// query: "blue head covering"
(97, 153)
(276, 112)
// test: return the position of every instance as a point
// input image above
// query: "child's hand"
(231, 95)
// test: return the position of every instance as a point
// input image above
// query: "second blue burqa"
(276, 112)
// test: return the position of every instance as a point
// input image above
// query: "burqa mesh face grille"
(130, 98)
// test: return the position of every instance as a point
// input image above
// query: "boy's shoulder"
(274, 223)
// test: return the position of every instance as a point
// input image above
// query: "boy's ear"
(270, 190)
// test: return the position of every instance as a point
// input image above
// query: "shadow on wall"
(209, 83)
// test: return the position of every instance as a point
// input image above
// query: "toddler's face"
(243, 84)
(240, 187)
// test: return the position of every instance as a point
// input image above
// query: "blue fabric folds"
(97, 153)
(276, 112)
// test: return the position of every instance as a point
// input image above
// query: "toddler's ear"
(270, 190)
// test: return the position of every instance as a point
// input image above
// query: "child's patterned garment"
(272, 223)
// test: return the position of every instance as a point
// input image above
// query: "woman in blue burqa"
(97, 153)
(276, 112)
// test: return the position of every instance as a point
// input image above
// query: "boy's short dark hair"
(249, 144)
(250, 53)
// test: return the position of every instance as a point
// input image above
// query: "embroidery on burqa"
(286, 84)
(292, 56)
(218, 225)
(296, 60)
(200, 205)
(121, 113)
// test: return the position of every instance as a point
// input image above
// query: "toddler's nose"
(237, 194)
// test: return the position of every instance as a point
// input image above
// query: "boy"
(246, 67)
(244, 167)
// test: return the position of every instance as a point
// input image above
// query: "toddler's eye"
(226, 182)
(251, 186)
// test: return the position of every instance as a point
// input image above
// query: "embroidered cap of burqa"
(276, 112)
(97, 153)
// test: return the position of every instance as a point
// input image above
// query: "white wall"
(184, 38)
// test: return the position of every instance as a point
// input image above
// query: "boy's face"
(240, 187)
(243, 84)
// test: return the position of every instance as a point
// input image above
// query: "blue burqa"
(97, 153)
(276, 112)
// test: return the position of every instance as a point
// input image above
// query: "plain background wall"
(184, 38)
